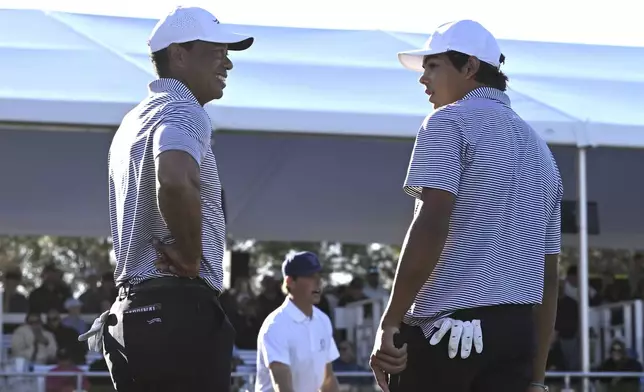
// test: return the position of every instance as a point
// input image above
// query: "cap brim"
(244, 44)
(413, 59)
(233, 40)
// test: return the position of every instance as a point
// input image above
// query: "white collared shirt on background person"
(303, 343)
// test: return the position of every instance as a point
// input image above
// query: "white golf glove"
(94, 336)
(463, 332)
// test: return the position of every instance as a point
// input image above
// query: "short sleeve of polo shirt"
(437, 159)
(553, 230)
(332, 353)
(275, 345)
(183, 129)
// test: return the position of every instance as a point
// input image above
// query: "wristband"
(540, 385)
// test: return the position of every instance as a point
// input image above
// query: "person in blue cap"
(301, 272)
(295, 346)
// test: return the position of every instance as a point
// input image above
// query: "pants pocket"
(146, 341)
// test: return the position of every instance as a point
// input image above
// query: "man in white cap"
(479, 262)
(166, 329)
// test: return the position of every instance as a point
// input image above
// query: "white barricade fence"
(38, 379)
(631, 331)
(360, 325)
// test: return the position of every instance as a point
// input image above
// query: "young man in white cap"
(167, 331)
(295, 346)
(479, 262)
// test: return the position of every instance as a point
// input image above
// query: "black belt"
(164, 283)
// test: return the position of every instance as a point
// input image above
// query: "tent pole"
(584, 307)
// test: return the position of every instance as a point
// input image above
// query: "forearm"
(180, 207)
(283, 386)
(330, 384)
(282, 380)
(420, 254)
(544, 321)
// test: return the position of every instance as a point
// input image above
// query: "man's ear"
(288, 282)
(472, 67)
(177, 55)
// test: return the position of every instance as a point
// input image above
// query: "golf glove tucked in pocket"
(94, 336)
(464, 332)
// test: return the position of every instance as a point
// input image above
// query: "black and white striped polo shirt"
(170, 118)
(507, 211)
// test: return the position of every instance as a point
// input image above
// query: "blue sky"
(576, 21)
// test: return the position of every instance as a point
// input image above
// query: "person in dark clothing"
(619, 361)
(347, 363)
(556, 362)
(66, 338)
(52, 294)
(94, 295)
(91, 297)
(270, 298)
(567, 327)
(325, 306)
(244, 319)
(13, 301)
(355, 293)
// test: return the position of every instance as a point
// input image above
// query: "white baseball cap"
(464, 36)
(186, 24)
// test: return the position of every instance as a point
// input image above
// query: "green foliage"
(78, 256)
(352, 259)
(75, 256)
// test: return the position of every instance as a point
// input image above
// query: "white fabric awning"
(301, 174)
(90, 70)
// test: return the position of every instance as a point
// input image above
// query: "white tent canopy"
(315, 125)
(87, 69)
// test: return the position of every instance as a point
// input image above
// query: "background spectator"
(95, 294)
(373, 289)
(347, 363)
(13, 301)
(32, 342)
(64, 363)
(51, 294)
(619, 361)
(73, 319)
(66, 337)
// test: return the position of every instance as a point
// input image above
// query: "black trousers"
(505, 365)
(169, 335)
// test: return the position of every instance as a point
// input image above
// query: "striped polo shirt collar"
(488, 93)
(172, 86)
